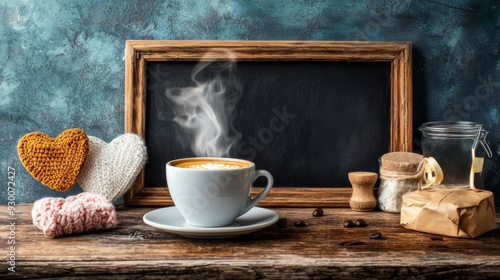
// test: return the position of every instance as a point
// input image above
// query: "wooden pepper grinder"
(362, 198)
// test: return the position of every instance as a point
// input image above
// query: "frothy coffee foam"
(211, 164)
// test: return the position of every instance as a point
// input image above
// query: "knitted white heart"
(112, 168)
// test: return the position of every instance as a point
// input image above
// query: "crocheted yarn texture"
(75, 214)
(56, 163)
(112, 168)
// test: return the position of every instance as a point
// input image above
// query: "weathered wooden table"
(322, 249)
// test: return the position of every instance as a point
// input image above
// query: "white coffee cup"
(211, 191)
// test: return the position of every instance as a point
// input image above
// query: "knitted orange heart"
(56, 163)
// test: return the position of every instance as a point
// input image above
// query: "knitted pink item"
(75, 214)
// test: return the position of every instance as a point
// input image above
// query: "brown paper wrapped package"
(456, 213)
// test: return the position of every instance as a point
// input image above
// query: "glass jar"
(460, 148)
(399, 175)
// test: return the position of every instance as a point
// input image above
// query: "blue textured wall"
(61, 62)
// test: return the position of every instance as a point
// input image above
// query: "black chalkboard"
(308, 123)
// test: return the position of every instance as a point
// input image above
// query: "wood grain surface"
(323, 249)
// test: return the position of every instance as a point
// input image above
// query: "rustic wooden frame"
(139, 52)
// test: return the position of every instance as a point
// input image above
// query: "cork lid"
(362, 177)
(400, 161)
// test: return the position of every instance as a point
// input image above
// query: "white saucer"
(170, 220)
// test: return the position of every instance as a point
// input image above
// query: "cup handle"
(252, 202)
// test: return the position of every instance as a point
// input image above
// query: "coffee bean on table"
(349, 224)
(318, 212)
(300, 224)
(282, 223)
(376, 235)
(360, 223)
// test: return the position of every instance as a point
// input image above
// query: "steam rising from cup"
(205, 110)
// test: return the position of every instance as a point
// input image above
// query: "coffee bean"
(376, 235)
(282, 223)
(348, 223)
(360, 223)
(300, 224)
(318, 212)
